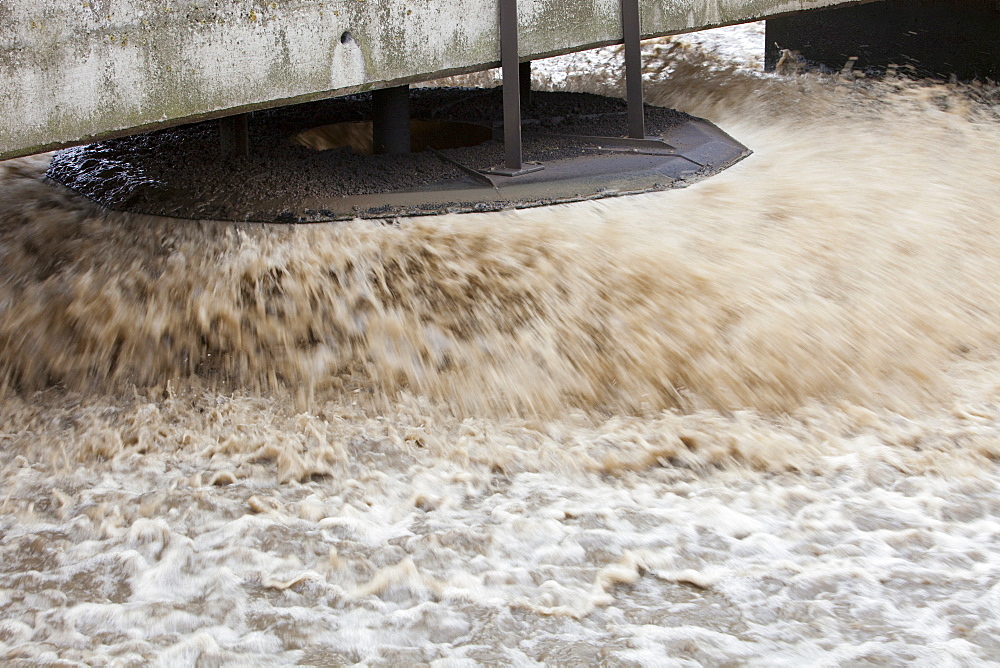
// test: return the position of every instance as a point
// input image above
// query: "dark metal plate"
(181, 172)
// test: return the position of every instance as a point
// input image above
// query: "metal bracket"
(479, 177)
(510, 67)
(656, 144)
(646, 146)
(525, 168)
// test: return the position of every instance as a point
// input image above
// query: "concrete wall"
(72, 71)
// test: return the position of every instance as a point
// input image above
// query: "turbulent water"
(752, 421)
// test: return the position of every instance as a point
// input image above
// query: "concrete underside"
(75, 71)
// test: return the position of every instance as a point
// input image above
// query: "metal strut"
(637, 141)
(631, 34)
(524, 74)
(510, 71)
(391, 120)
(234, 136)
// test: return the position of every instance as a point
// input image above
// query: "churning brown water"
(753, 421)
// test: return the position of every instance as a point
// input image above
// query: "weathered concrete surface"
(72, 71)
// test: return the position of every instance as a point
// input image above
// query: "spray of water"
(752, 421)
(853, 257)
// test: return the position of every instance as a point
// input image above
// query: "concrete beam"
(74, 71)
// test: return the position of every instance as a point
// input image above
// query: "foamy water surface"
(751, 421)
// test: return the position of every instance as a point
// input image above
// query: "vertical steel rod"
(511, 85)
(234, 136)
(524, 74)
(633, 68)
(391, 120)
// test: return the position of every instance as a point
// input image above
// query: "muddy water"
(752, 421)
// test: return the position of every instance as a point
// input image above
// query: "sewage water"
(751, 421)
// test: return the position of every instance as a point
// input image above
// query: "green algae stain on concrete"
(76, 72)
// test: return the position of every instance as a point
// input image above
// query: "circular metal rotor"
(313, 162)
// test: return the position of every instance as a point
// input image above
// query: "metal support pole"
(631, 33)
(234, 136)
(391, 120)
(524, 74)
(510, 71)
(511, 86)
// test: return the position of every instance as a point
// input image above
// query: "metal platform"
(574, 148)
